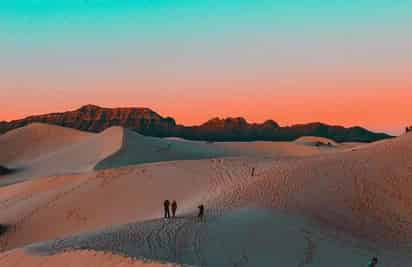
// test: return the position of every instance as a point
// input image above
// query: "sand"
(36, 140)
(83, 258)
(40, 150)
(329, 207)
(316, 141)
(70, 152)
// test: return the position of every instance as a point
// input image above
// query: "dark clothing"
(166, 205)
(201, 211)
(174, 208)
(373, 262)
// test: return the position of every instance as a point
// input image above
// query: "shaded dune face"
(40, 150)
(55, 150)
(138, 149)
(44, 150)
(246, 236)
(349, 203)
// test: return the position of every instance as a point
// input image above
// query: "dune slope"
(297, 211)
(316, 141)
(37, 139)
(40, 150)
(143, 149)
(79, 154)
(19, 258)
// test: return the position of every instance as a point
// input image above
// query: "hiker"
(201, 211)
(253, 172)
(174, 208)
(373, 262)
(166, 205)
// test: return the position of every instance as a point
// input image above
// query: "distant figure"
(166, 205)
(174, 208)
(201, 212)
(253, 172)
(373, 262)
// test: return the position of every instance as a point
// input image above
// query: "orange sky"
(338, 62)
(381, 108)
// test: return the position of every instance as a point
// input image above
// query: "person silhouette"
(373, 262)
(166, 205)
(174, 208)
(201, 212)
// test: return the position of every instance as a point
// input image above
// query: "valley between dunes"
(83, 199)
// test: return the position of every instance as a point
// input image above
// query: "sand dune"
(35, 140)
(137, 149)
(63, 151)
(316, 141)
(40, 150)
(83, 258)
(273, 150)
(240, 237)
(323, 209)
(70, 152)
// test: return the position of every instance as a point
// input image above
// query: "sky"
(345, 62)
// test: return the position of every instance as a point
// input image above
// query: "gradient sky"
(345, 62)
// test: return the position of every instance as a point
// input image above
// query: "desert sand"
(97, 198)
(84, 258)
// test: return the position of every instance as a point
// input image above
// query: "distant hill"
(145, 121)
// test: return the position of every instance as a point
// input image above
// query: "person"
(201, 211)
(174, 208)
(253, 172)
(373, 262)
(166, 205)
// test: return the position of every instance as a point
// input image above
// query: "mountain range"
(145, 121)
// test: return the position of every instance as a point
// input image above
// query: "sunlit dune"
(307, 202)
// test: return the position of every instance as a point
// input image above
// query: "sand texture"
(267, 204)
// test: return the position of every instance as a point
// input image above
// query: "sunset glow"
(346, 62)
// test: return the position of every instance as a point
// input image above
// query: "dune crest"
(34, 140)
(56, 150)
(40, 150)
(346, 204)
(137, 149)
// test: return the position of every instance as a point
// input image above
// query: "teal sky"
(153, 47)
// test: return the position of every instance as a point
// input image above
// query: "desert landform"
(95, 198)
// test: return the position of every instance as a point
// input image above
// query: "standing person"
(201, 212)
(253, 172)
(174, 208)
(166, 205)
(373, 262)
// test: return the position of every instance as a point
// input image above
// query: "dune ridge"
(34, 140)
(57, 150)
(346, 204)
(67, 152)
